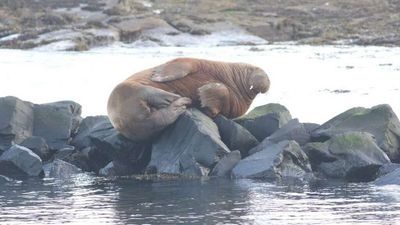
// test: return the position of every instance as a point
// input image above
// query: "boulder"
(100, 143)
(16, 121)
(387, 168)
(292, 130)
(353, 156)
(277, 161)
(38, 145)
(4, 179)
(56, 122)
(392, 178)
(64, 153)
(264, 120)
(379, 120)
(191, 146)
(19, 161)
(61, 169)
(108, 170)
(226, 164)
(235, 136)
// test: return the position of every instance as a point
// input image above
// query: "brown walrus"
(148, 101)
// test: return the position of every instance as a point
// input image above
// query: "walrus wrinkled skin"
(148, 101)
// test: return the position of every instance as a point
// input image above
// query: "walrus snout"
(260, 82)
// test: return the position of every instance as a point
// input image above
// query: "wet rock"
(108, 170)
(191, 146)
(354, 156)
(275, 162)
(56, 122)
(392, 178)
(100, 144)
(16, 121)
(19, 161)
(4, 179)
(64, 153)
(387, 168)
(264, 120)
(379, 120)
(293, 130)
(235, 136)
(318, 153)
(226, 164)
(188, 26)
(38, 145)
(61, 169)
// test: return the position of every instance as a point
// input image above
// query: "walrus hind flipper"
(173, 70)
(213, 98)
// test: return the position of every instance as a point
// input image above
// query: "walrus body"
(148, 101)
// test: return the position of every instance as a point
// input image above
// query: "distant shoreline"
(86, 24)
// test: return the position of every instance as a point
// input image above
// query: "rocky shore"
(84, 24)
(53, 140)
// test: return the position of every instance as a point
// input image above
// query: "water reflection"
(89, 200)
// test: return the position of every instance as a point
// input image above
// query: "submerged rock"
(16, 121)
(61, 169)
(379, 120)
(191, 146)
(235, 136)
(264, 120)
(392, 178)
(275, 162)
(56, 122)
(19, 161)
(354, 156)
(226, 164)
(38, 145)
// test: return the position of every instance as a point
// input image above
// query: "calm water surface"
(88, 200)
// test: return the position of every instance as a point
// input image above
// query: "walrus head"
(259, 82)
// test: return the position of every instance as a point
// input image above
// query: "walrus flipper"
(158, 98)
(172, 70)
(214, 98)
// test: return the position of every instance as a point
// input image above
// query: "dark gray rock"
(292, 130)
(387, 168)
(38, 145)
(235, 136)
(379, 120)
(16, 121)
(275, 162)
(64, 153)
(264, 120)
(358, 157)
(4, 179)
(392, 178)
(310, 127)
(89, 125)
(61, 169)
(317, 153)
(108, 170)
(19, 161)
(226, 164)
(191, 146)
(56, 122)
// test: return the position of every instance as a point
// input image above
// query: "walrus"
(145, 103)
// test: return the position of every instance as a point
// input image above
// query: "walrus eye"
(251, 87)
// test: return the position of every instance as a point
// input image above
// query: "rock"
(292, 130)
(89, 125)
(392, 178)
(108, 170)
(188, 26)
(16, 121)
(318, 153)
(64, 153)
(226, 164)
(310, 127)
(264, 120)
(357, 157)
(387, 168)
(4, 179)
(379, 120)
(275, 162)
(19, 161)
(38, 145)
(191, 146)
(56, 122)
(235, 136)
(62, 170)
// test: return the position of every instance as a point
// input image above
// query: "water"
(90, 200)
(314, 83)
